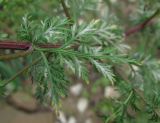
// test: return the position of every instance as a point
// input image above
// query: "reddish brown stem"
(141, 26)
(14, 45)
(23, 45)
(26, 45)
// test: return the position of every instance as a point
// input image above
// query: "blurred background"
(93, 102)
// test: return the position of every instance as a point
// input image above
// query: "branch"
(16, 55)
(125, 78)
(26, 46)
(21, 71)
(141, 26)
(17, 45)
(6, 44)
(20, 46)
(65, 10)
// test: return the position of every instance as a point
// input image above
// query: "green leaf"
(105, 70)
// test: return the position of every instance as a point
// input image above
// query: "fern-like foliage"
(93, 43)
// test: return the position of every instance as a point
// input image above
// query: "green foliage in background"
(93, 37)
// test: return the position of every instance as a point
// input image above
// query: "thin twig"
(15, 55)
(21, 45)
(118, 73)
(141, 26)
(65, 10)
(14, 45)
(20, 72)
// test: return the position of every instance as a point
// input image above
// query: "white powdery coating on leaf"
(111, 92)
(82, 105)
(76, 89)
